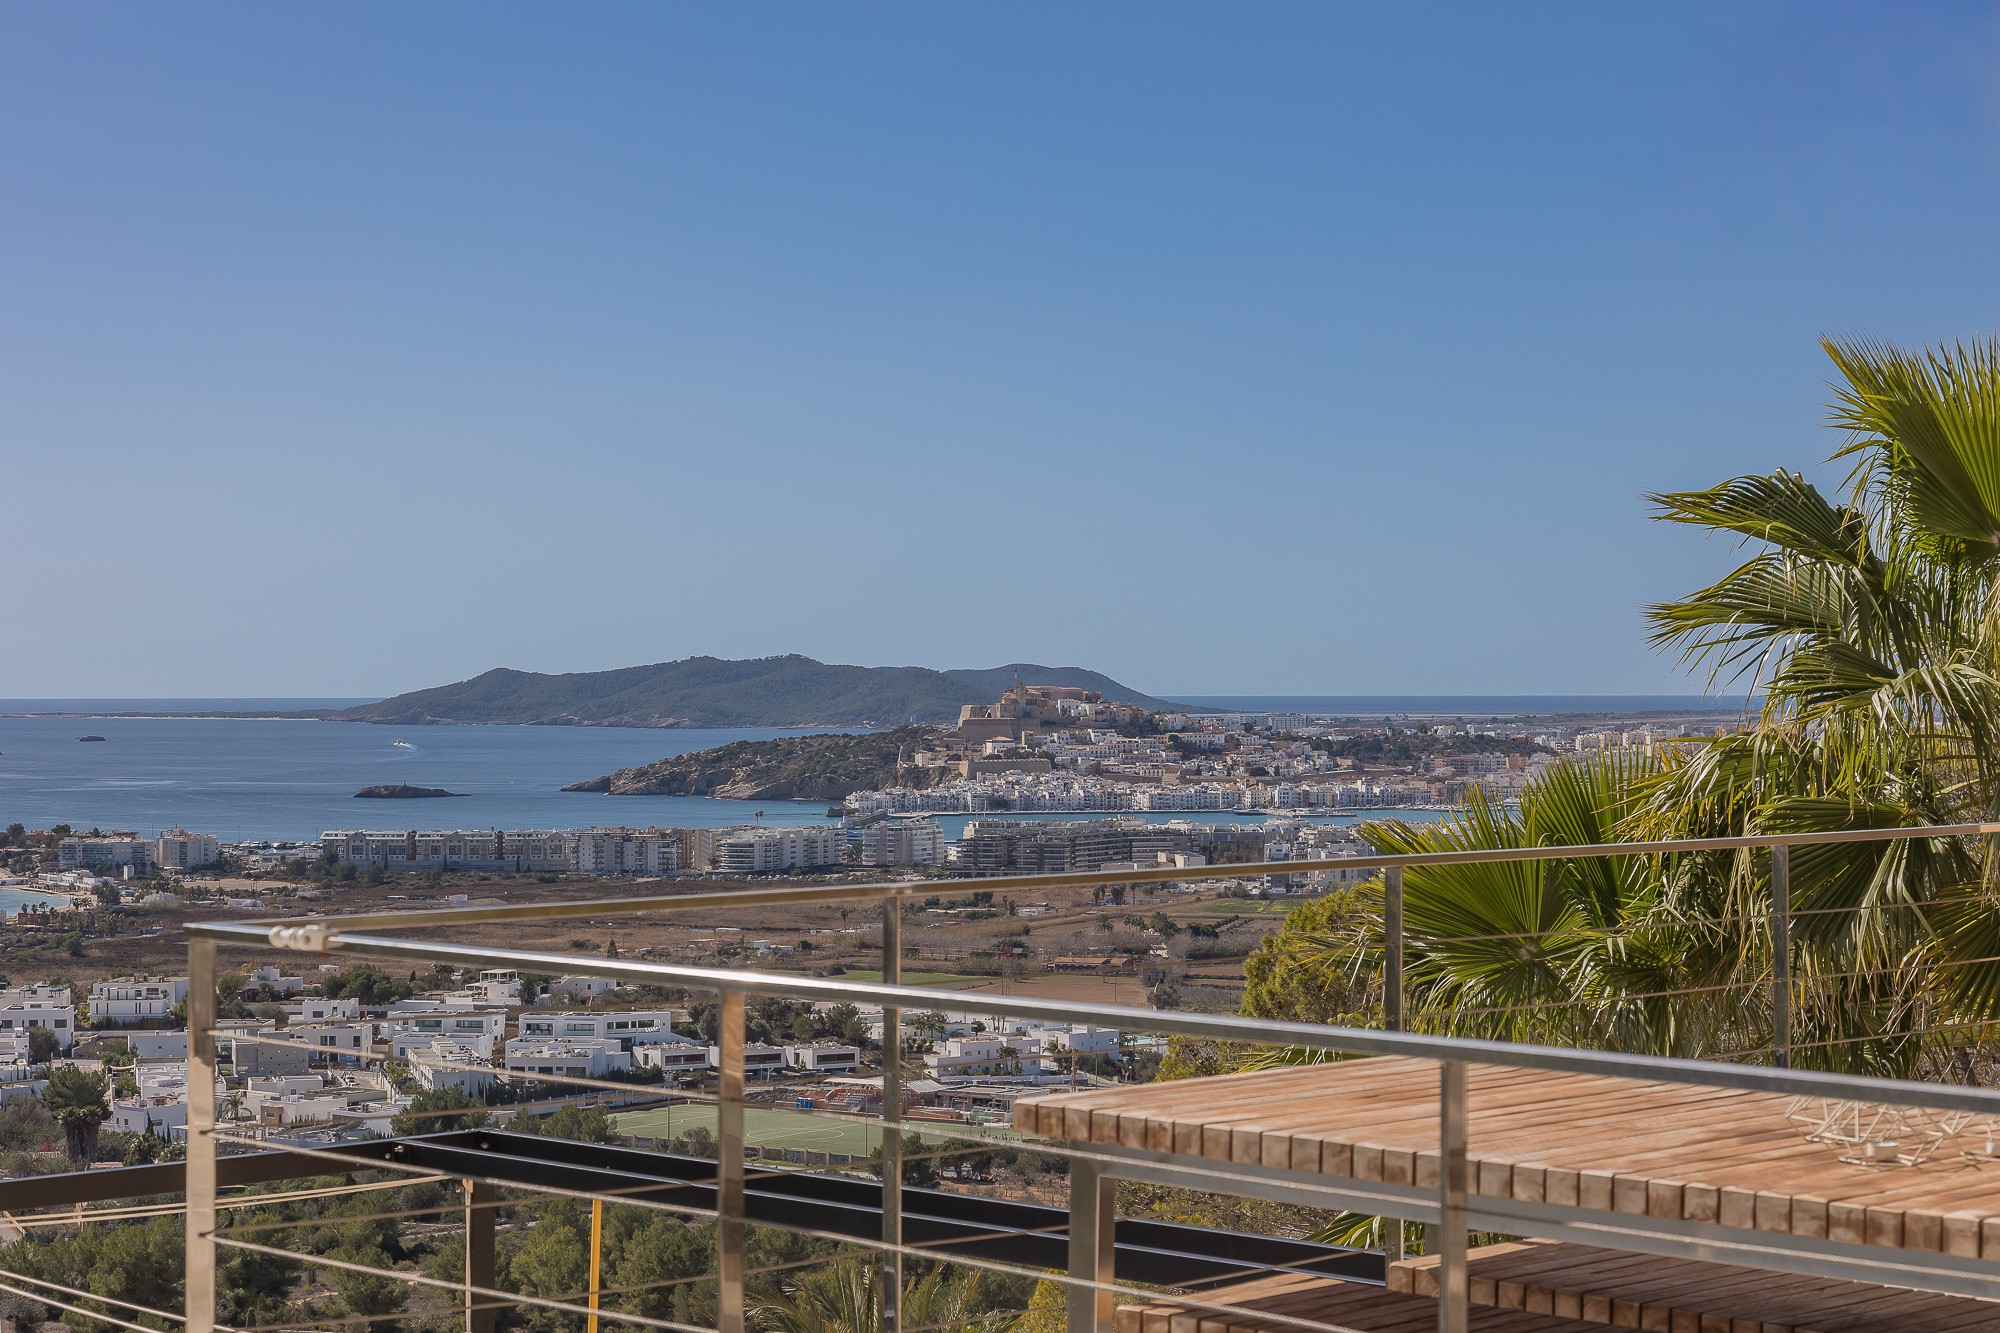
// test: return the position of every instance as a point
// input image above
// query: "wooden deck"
(1659, 1150)
(1279, 1304)
(1640, 1291)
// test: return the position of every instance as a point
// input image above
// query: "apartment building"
(622, 851)
(177, 849)
(749, 850)
(124, 1000)
(115, 855)
(895, 842)
(455, 849)
(1056, 846)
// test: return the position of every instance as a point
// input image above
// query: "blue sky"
(1318, 348)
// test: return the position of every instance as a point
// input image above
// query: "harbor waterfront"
(245, 779)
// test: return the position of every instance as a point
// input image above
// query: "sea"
(273, 779)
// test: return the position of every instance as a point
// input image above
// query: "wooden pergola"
(1689, 1178)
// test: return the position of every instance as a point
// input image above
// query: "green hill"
(819, 768)
(790, 691)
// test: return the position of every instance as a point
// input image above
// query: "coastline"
(326, 716)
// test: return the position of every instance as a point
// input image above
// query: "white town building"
(114, 854)
(454, 849)
(136, 999)
(444, 1063)
(561, 1057)
(749, 850)
(824, 1057)
(628, 1027)
(624, 851)
(177, 849)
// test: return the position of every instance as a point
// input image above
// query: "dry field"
(821, 938)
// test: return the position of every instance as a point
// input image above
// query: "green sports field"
(789, 1129)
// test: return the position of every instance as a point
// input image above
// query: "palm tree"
(845, 1297)
(1870, 626)
(1598, 951)
(76, 1100)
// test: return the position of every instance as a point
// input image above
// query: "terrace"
(1547, 1188)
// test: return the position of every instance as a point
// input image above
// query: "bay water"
(256, 779)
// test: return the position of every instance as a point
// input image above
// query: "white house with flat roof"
(679, 1053)
(272, 981)
(153, 1047)
(336, 1041)
(481, 1030)
(27, 1015)
(824, 1057)
(961, 1056)
(572, 1057)
(319, 1009)
(759, 1060)
(445, 1063)
(136, 999)
(582, 990)
(41, 992)
(629, 1027)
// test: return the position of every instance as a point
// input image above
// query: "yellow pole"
(596, 1257)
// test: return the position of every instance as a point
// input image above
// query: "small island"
(402, 791)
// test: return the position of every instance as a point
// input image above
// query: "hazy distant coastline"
(1331, 705)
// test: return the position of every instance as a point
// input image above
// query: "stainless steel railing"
(1091, 1289)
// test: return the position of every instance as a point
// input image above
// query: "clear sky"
(1316, 348)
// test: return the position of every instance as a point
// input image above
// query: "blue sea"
(245, 779)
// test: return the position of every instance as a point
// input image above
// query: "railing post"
(892, 1119)
(596, 1261)
(201, 1145)
(730, 1235)
(1392, 948)
(1092, 1248)
(480, 1314)
(1454, 1285)
(1392, 1011)
(1781, 955)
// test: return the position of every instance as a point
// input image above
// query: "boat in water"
(401, 744)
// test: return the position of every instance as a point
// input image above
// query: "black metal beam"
(1003, 1230)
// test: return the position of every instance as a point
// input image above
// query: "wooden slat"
(1632, 1146)
(1291, 1304)
(1592, 1283)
